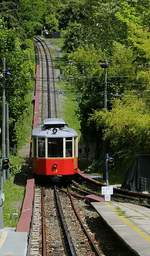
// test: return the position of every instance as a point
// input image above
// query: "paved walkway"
(13, 243)
(131, 223)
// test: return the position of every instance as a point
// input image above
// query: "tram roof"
(54, 128)
(64, 132)
(54, 122)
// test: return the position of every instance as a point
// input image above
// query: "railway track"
(69, 246)
(57, 228)
(41, 82)
(106, 242)
(47, 78)
(45, 94)
(84, 243)
(83, 191)
(119, 194)
(91, 240)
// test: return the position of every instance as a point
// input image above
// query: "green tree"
(21, 64)
(31, 15)
(118, 33)
(126, 128)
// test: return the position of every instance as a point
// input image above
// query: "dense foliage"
(116, 32)
(126, 126)
(19, 59)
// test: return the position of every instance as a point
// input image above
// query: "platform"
(130, 222)
(13, 243)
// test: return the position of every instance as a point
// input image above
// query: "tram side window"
(68, 147)
(55, 147)
(41, 147)
(75, 147)
(34, 146)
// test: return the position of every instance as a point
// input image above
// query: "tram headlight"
(54, 167)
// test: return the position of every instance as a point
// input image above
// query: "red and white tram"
(54, 149)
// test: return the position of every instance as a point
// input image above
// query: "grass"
(14, 194)
(13, 201)
(69, 113)
(23, 125)
(57, 42)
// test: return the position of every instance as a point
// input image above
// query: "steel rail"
(53, 77)
(73, 194)
(48, 79)
(131, 193)
(44, 250)
(91, 241)
(68, 241)
(48, 76)
(116, 190)
(89, 179)
(42, 80)
(83, 190)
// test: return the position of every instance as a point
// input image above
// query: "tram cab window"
(55, 147)
(41, 147)
(68, 147)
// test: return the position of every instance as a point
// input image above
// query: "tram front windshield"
(55, 147)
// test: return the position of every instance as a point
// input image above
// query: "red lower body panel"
(54, 166)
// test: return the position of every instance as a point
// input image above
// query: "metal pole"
(4, 113)
(3, 144)
(105, 90)
(7, 130)
(7, 137)
(105, 107)
(1, 199)
(105, 66)
(106, 169)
